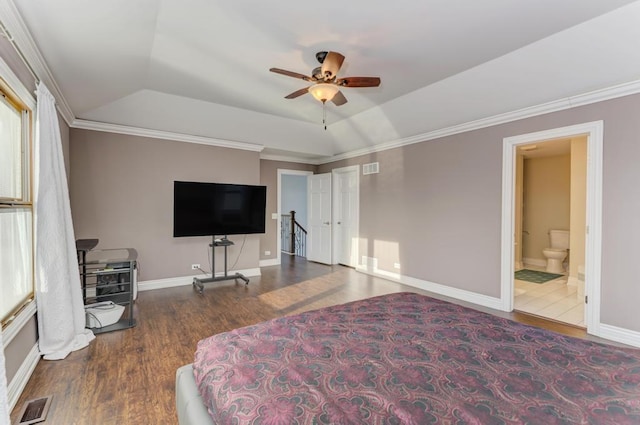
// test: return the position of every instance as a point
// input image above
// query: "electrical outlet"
(195, 266)
(267, 253)
(396, 265)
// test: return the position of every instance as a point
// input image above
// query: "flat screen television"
(210, 209)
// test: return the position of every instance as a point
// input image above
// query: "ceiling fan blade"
(331, 65)
(339, 99)
(290, 74)
(359, 82)
(297, 93)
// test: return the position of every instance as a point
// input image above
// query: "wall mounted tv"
(210, 209)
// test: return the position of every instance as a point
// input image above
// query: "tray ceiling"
(200, 67)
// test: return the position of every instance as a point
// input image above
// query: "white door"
(346, 216)
(319, 221)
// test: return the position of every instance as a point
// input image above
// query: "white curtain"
(61, 319)
(4, 404)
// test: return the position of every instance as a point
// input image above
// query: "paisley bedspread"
(410, 359)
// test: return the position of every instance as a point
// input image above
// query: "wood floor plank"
(128, 377)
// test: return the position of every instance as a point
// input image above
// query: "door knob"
(339, 222)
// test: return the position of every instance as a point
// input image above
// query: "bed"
(406, 358)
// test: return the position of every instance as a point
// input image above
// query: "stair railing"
(293, 235)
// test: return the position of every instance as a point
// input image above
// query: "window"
(16, 207)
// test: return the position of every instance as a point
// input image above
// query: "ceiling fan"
(326, 84)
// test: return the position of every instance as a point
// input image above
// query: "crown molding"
(588, 98)
(165, 135)
(285, 158)
(21, 36)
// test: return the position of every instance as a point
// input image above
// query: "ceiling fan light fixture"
(323, 91)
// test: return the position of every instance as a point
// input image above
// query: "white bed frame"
(189, 405)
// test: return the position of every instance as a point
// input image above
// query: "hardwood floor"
(128, 377)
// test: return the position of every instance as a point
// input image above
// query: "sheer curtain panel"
(61, 318)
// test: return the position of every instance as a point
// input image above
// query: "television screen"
(211, 209)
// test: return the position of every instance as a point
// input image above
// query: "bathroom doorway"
(515, 256)
(550, 198)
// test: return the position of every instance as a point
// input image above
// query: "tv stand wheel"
(198, 285)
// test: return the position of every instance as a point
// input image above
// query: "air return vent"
(371, 168)
(35, 411)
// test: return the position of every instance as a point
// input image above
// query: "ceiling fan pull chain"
(324, 114)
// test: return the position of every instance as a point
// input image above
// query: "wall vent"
(371, 168)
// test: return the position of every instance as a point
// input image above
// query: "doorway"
(593, 131)
(283, 174)
(550, 206)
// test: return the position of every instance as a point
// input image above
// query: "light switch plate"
(274, 216)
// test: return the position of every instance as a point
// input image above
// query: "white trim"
(436, 288)
(171, 282)
(165, 135)
(614, 92)
(624, 336)
(269, 262)
(18, 323)
(620, 90)
(282, 172)
(593, 245)
(284, 158)
(22, 38)
(20, 379)
(334, 232)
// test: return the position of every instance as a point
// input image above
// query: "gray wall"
(17, 350)
(439, 202)
(269, 177)
(294, 197)
(122, 194)
(432, 206)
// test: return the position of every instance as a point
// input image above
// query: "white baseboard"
(149, 285)
(447, 291)
(20, 379)
(270, 262)
(535, 262)
(621, 335)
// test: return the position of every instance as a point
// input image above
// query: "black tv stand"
(226, 243)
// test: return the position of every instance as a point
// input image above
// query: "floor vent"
(372, 168)
(35, 411)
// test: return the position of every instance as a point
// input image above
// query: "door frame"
(334, 195)
(283, 172)
(593, 243)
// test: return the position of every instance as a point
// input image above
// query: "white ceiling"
(200, 67)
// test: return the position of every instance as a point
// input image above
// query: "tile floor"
(553, 299)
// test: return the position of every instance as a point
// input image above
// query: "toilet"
(556, 254)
